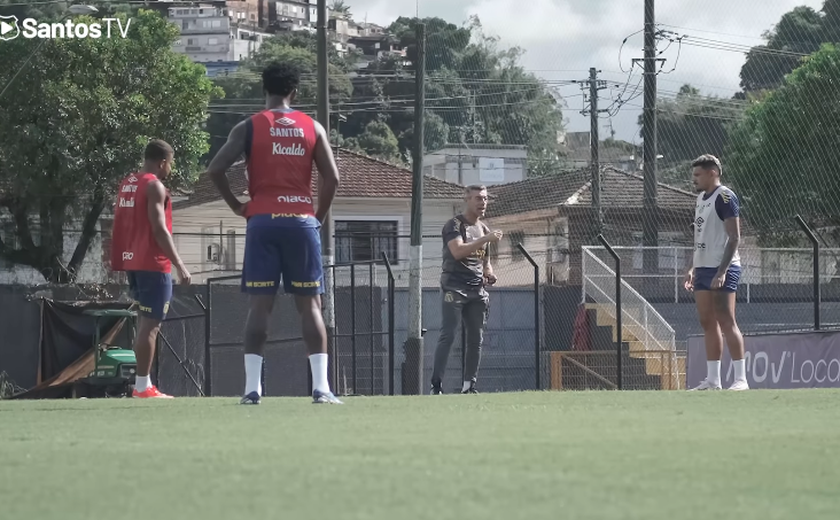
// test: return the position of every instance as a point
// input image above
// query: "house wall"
(92, 269)
(214, 226)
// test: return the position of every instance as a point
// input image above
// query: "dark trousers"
(472, 309)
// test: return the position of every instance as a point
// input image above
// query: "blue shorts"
(152, 290)
(283, 247)
(703, 277)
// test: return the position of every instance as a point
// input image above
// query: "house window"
(212, 41)
(359, 241)
(516, 238)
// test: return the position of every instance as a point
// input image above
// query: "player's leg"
(724, 299)
(451, 306)
(704, 299)
(475, 319)
(260, 280)
(303, 276)
(153, 292)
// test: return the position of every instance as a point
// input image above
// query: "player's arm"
(327, 168)
(232, 150)
(728, 210)
(456, 245)
(156, 197)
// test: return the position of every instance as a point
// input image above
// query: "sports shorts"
(152, 290)
(703, 277)
(283, 247)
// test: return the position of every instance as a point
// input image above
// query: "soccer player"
(716, 270)
(465, 272)
(282, 237)
(142, 246)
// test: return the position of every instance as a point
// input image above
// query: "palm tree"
(340, 8)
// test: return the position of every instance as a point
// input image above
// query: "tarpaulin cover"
(66, 345)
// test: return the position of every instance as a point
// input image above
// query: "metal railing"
(639, 316)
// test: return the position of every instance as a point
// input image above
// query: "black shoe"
(470, 390)
(437, 389)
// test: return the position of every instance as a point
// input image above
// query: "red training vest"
(280, 163)
(133, 244)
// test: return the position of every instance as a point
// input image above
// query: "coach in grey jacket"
(465, 271)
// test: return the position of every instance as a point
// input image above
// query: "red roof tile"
(361, 176)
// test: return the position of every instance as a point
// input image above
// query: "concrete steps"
(669, 366)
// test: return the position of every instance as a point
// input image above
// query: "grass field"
(599, 455)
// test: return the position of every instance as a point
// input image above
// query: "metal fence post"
(353, 328)
(208, 364)
(618, 325)
(537, 335)
(816, 244)
(391, 308)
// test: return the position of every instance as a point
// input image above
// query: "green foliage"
(76, 121)
(800, 31)
(476, 92)
(783, 157)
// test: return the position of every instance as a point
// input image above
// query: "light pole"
(77, 9)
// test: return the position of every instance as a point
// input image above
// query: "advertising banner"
(783, 360)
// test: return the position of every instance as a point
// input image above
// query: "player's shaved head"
(280, 79)
(158, 150)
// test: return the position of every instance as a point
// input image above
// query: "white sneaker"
(706, 385)
(740, 384)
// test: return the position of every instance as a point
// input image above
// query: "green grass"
(600, 455)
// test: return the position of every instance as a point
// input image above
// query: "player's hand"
(183, 275)
(495, 236)
(718, 280)
(689, 281)
(241, 209)
(490, 278)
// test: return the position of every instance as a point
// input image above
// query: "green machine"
(114, 367)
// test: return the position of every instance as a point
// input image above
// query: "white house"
(371, 211)
(488, 164)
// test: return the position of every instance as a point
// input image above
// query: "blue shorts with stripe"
(152, 290)
(286, 248)
(703, 277)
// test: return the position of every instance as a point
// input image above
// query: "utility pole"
(327, 238)
(595, 85)
(650, 231)
(413, 379)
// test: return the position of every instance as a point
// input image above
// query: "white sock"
(142, 383)
(467, 385)
(740, 369)
(253, 374)
(713, 374)
(318, 364)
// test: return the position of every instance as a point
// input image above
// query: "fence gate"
(361, 348)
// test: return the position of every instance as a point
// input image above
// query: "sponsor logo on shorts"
(294, 199)
(127, 255)
(288, 215)
(143, 308)
(258, 285)
(306, 284)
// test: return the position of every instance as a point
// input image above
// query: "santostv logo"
(9, 29)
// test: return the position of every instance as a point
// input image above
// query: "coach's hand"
(495, 236)
(183, 275)
(689, 281)
(490, 278)
(718, 280)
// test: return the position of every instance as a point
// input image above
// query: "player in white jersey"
(716, 270)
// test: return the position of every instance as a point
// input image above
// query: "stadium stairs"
(643, 369)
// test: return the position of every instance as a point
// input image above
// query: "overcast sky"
(563, 38)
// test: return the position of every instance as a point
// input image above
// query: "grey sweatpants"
(473, 310)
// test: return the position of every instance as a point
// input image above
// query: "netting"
(519, 122)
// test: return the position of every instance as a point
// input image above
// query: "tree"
(799, 32)
(688, 125)
(243, 89)
(76, 121)
(782, 157)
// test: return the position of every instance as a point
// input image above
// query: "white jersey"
(710, 236)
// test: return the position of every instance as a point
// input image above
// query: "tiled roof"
(535, 193)
(361, 176)
(625, 190)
